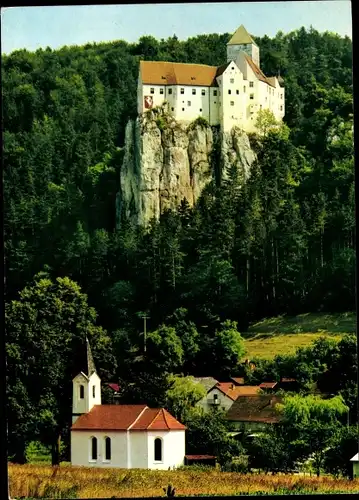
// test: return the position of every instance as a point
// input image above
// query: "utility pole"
(144, 317)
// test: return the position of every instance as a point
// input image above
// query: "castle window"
(214, 102)
(251, 84)
(152, 90)
(170, 91)
(182, 91)
(193, 91)
(251, 96)
(93, 391)
(200, 109)
(172, 109)
(232, 80)
(161, 91)
(281, 96)
(281, 108)
(93, 448)
(272, 91)
(82, 392)
(244, 89)
(237, 92)
(107, 448)
(158, 450)
(203, 92)
(215, 92)
(232, 67)
(188, 103)
(182, 109)
(229, 92)
(260, 107)
(232, 103)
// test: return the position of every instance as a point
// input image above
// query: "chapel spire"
(91, 368)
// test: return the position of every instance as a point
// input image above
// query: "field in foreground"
(81, 482)
(284, 334)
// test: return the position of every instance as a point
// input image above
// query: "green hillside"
(284, 334)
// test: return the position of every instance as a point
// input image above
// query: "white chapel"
(123, 436)
(229, 95)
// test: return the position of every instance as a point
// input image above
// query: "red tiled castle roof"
(170, 73)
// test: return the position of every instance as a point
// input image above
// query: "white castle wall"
(236, 101)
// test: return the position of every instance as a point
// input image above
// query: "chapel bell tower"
(86, 386)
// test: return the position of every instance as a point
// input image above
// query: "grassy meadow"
(284, 334)
(43, 481)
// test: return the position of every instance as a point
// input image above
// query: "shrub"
(161, 123)
(200, 121)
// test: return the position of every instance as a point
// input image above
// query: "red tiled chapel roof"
(126, 417)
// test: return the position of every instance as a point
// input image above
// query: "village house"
(124, 436)
(206, 382)
(254, 412)
(229, 95)
(223, 395)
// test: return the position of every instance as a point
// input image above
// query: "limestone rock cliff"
(166, 161)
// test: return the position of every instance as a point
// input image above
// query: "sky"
(56, 26)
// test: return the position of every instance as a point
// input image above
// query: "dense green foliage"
(284, 243)
(309, 435)
(328, 366)
(46, 331)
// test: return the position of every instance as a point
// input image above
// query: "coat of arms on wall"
(148, 102)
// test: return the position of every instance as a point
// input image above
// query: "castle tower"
(242, 40)
(86, 386)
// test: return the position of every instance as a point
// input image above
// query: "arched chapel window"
(93, 391)
(158, 450)
(82, 392)
(94, 448)
(107, 448)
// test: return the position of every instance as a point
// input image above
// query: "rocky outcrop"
(166, 161)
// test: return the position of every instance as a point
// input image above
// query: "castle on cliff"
(229, 95)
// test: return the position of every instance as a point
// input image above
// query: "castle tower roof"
(241, 36)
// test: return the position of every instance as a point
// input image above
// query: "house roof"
(207, 382)
(287, 380)
(355, 458)
(234, 391)
(268, 385)
(260, 408)
(114, 387)
(238, 380)
(241, 36)
(171, 73)
(126, 417)
(258, 72)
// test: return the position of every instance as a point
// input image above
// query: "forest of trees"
(282, 244)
